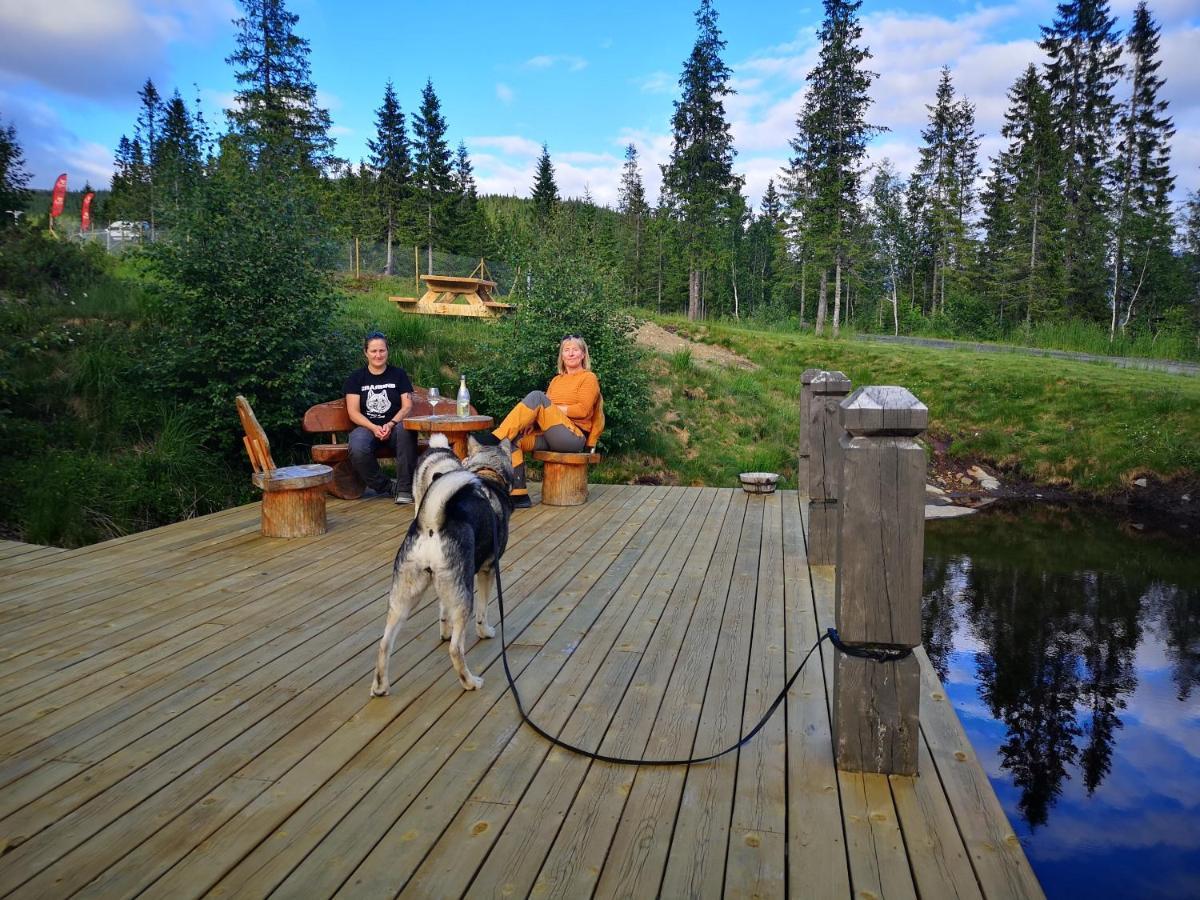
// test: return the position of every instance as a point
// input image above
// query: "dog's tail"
(439, 440)
(432, 513)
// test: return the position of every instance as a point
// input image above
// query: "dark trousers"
(363, 445)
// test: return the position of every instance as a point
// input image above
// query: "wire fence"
(366, 258)
(356, 258)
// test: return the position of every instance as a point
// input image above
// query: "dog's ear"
(472, 445)
(506, 446)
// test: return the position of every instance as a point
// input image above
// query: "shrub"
(246, 306)
(565, 295)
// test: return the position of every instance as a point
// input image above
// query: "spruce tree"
(698, 181)
(825, 172)
(469, 228)
(1142, 224)
(1082, 70)
(1024, 209)
(432, 177)
(148, 130)
(545, 190)
(177, 159)
(276, 116)
(887, 223)
(14, 196)
(631, 204)
(393, 167)
(944, 188)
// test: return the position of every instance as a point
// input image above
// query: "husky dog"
(438, 461)
(457, 537)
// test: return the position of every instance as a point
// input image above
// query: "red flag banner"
(85, 220)
(60, 196)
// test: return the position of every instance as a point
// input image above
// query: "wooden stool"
(293, 502)
(564, 476)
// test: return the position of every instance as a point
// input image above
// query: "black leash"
(879, 653)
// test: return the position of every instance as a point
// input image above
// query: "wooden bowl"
(759, 482)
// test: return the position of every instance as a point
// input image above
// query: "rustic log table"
(455, 428)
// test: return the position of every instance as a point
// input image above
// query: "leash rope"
(879, 653)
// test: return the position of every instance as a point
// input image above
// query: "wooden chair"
(293, 503)
(565, 475)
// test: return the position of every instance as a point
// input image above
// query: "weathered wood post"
(881, 537)
(805, 405)
(824, 464)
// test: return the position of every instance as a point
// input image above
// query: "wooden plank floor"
(186, 712)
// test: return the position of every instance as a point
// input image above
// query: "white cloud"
(504, 93)
(547, 61)
(656, 83)
(508, 144)
(123, 41)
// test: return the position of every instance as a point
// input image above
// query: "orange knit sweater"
(579, 392)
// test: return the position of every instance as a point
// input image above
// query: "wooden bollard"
(824, 464)
(805, 404)
(881, 538)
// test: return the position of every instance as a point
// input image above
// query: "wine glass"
(435, 397)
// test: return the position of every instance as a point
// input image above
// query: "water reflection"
(1050, 630)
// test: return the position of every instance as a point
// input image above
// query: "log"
(564, 477)
(824, 464)
(294, 513)
(877, 594)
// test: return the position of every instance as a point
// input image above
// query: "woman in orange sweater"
(558, 418)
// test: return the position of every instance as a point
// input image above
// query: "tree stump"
(293, 503)
(564, 477)
(824, 464)
(880, 545)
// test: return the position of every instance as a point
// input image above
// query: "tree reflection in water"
(1055, 604)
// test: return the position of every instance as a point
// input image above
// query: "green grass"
(1088, 426)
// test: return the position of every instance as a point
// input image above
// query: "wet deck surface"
(186, 712)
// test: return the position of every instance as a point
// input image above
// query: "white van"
(128, 231)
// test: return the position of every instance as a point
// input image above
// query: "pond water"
(1069, 642)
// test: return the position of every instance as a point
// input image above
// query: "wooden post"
(880, 545)
(805, 404)
(824, 464)
(417, 270)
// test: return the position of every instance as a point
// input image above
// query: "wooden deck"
(186, 712)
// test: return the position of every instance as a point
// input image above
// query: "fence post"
(805, 405)
(881, 537)
(824, 464)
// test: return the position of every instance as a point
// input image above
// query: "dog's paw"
(485, 631)
(472, 683)
(378, 689)
(444, 630)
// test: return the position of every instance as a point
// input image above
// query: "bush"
(245, 305)
(565, 295)
(35, 266)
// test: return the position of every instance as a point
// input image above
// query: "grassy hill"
(1083, 427)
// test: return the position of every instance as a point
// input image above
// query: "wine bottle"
(464, 397)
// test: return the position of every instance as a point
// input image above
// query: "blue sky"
(585, 79)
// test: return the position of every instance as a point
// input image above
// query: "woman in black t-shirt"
(378, 399)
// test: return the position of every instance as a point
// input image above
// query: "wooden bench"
(293, 503)
(565, 475)
(331, 418)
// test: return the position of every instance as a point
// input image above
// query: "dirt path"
(664, 341)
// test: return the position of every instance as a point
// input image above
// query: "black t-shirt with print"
(379, 396)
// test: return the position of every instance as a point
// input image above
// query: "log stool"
(293, 503)
(564, 476)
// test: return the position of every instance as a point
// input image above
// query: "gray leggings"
(558, 438)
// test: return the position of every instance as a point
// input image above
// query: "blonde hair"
(587, 357)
